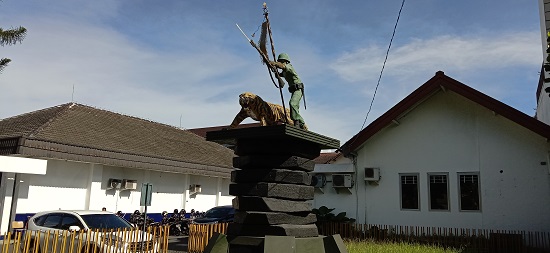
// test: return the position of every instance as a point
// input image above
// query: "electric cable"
(383, 65)
(381, 72)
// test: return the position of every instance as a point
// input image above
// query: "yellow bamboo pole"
(71, 243)
(166, 233)
(4, 244)
(125, 239)
(117, 245)
(80, 235)
(64, 242)
(88, 240)
(55, 242)
(96, 240)
(146, 239)
(17, 242)
(110, 239)
(46, 241)
(7, 242)
(135, 241)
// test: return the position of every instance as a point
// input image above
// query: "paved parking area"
(177, 244)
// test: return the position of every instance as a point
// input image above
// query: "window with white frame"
(409, 191)
(468, 187)
(438, 189)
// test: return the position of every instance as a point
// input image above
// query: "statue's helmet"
(283, 56)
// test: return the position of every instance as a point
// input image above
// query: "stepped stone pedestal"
(272, 189)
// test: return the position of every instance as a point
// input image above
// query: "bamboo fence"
(473, 240)
(90, 241)
(199, 234)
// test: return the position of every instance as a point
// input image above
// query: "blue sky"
(184, 63)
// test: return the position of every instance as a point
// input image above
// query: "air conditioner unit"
(342, 180)
(114, 183)
(318, 180)
(128, 184)
(372, 174)
(194, 188)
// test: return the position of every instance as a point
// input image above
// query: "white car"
(86, 232)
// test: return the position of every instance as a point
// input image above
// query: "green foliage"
(324, 214)
(10, 37)
(368, 246)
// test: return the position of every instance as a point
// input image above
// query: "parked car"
(100, 231)
(216, 215)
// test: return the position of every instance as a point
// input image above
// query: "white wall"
(77, 186)
(6, 190)
(451, 134)
(225, 198)
(342, 199)
(543, 103)
(63, 187)
(448, 133)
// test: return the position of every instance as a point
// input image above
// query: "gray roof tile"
(84, 126)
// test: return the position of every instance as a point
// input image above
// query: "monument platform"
(274, 141)
(272, 189)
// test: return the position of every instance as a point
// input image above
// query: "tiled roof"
(442, 82)
(86, 128)
(325, 158)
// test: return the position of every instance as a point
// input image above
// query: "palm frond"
(3, 63)
(12, 36)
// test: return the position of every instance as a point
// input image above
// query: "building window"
(469, 192)
(409, 192)
(439, 192)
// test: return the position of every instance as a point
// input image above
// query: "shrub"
(324, 214)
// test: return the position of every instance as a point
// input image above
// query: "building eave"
(438, 82)
(52, 150)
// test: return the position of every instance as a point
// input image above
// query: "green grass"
(383, 247)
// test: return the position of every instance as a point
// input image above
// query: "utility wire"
(377, 83)
(383, 65)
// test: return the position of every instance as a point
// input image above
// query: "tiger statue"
(255, 107)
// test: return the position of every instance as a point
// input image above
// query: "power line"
(383, 65)
(379, 77)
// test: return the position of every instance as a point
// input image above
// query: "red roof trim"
(431, 86)
(325, 158)
(541, 82)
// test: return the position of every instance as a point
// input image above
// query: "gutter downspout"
(353, 157)
(14, 198)
(3, 182)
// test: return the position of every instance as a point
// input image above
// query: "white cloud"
(114, 73)
(196, 66)
(466, 54)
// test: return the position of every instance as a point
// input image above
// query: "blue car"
(217, 215)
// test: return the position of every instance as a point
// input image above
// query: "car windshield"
(105, 221)
(217, 212)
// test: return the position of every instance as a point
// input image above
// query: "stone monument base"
(220, 243)
(273, 191)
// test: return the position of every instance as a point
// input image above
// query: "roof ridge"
(442, 81)
(63, 109)
(77, 131)
(131, 116)
(71, 104)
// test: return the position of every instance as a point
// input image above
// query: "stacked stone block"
(271, 183)
(274, 182)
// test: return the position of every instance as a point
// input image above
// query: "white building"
(543, 100)
(96, 158)
(445, 156)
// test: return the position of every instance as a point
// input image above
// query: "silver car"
(86, 232)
